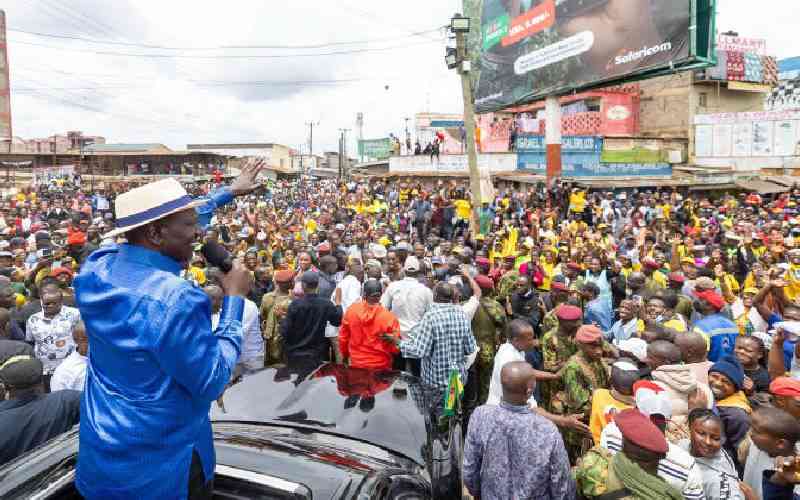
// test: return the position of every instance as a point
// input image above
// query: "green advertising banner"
(530, 49)
(380, 149)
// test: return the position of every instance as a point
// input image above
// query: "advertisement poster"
(495, 135)
(742, 139)
(785, 138)
(723, 140)
(619, 115)
(762, 138)
(703, 140)
(380, 149)
(632, 151)
(533, 48)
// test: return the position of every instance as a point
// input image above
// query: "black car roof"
(384, 408)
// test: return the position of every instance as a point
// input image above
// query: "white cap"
(412, 264)
(635, 346)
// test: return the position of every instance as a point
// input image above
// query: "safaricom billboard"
(530, 49)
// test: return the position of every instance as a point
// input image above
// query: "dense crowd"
(638, 344)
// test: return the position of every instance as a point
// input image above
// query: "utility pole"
(408, 138)
(342, 151)
(460, 25)
(341, 141)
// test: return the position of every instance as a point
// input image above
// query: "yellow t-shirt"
(463, 208)
(198, 275)
(311, 226)
(577, 202)
(793, 277)
(603, 408)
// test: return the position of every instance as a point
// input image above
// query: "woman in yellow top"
(548, 263)
(463, 208)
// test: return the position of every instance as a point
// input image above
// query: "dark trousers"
(46, 382)
(199, 488)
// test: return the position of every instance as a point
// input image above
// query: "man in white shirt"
(409, 300)
(50, 330)
(352, 287)
(252, 357)
(71, 373)
(520, 340)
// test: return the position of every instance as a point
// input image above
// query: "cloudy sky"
(180, 72)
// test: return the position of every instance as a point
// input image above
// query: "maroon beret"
(484, 282)
(574, 266)
(569, 313)
(637, 428)
(482, 261)
(284, 276)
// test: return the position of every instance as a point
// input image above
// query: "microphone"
(216, 255)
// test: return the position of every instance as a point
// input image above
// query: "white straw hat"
(149, 203)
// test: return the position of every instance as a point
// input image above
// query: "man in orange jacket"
(362, 326)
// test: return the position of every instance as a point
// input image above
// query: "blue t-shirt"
(788, 345)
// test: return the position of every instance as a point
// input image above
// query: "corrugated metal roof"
(122, 147)
(761, 187)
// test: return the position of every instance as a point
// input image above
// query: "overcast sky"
(200, 97)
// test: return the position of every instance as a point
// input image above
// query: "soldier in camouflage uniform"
(273, 309)
(583, 374)
(559, 294)
(488, 326)
(508, 282)
(558, 346)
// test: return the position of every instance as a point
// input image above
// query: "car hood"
(384, 408)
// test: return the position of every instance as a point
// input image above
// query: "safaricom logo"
(641, 54)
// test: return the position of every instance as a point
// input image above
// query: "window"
(702, 100)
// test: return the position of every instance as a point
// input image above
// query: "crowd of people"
(626, 344)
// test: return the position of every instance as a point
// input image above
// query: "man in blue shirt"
(155, 365)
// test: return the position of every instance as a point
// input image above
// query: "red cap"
(60, 270)
(482, 261)
(569, 313)
(325, 247)
(484, 282)
(712, 297)
(676, 277)
(637, 428)
(651, 263)
(574, 266)
(785, 386)
(557, 285)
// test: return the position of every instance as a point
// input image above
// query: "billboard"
(531, 49)
(380, 149)
(582, 157)
(5, 89)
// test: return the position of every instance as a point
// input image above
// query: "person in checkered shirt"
(442, 339)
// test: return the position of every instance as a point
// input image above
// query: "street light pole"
(460, 25)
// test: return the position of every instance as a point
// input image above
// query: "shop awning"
(784, 180)
(760, 186)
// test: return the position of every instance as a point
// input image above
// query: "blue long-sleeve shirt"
(154, 368)
(214, 200)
